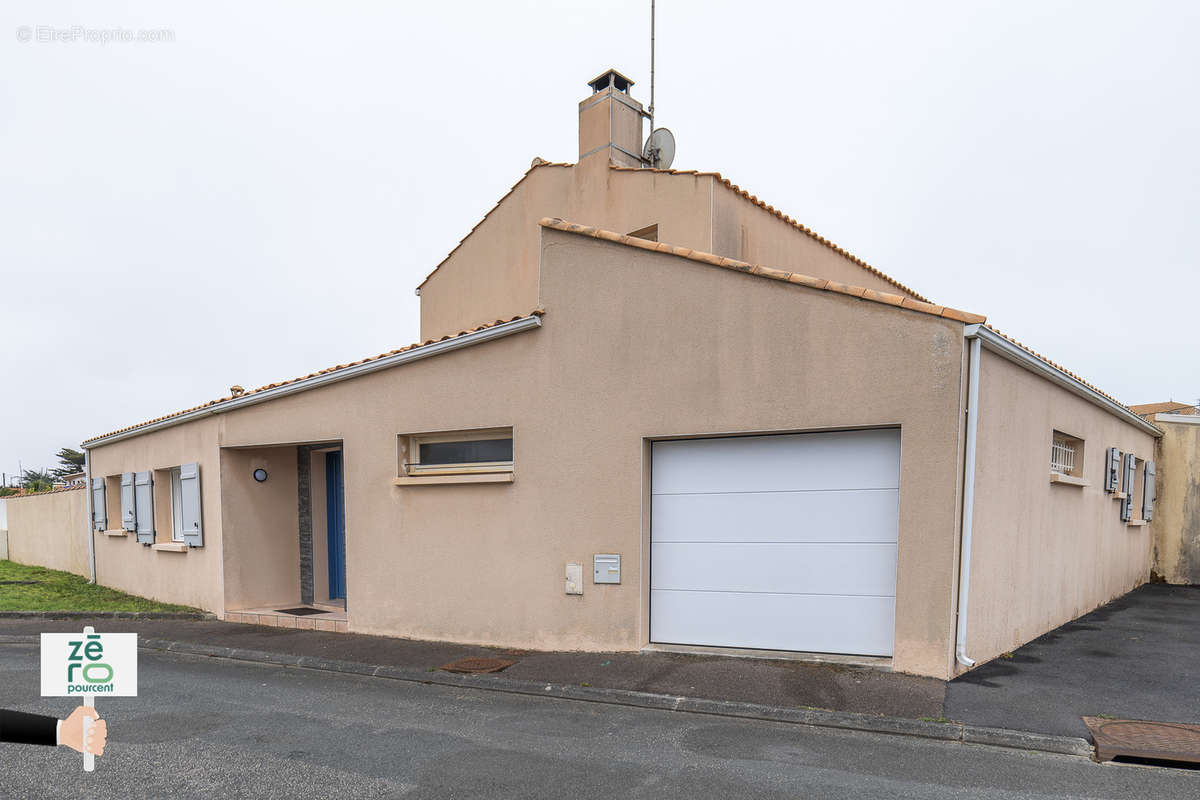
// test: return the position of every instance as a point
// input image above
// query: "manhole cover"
(1169, 741)
(476, 664)
(300, 612)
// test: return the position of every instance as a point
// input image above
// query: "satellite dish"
(659, 151)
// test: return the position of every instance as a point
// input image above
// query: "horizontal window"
(466, 452)
(461, 453)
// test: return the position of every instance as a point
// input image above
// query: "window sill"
(1119, 495)
(170, 547)
(1067, 480)
(119, 532)
(1135, 523)
(435, 480)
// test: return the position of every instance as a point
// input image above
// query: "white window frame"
(176, 505)
(1066, 454)
(410, 453)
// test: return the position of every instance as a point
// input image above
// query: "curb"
(202, 615)
(841, 720)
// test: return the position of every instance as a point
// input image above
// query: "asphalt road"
(211, 728)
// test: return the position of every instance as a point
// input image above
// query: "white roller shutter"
(782, 542)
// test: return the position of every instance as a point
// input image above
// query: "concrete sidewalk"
(787, 684)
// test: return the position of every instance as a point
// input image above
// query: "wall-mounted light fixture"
(260, 474)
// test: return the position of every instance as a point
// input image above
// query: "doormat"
(475, 664)
(300, 612)
(1165, 741)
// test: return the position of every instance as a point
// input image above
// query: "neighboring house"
(1176, 524)
(681, 419)
(71, 480)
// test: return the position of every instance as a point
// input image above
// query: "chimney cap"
(611, 78)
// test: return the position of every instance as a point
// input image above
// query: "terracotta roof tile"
(23, 493)
(1169, 407)
(536, 313)
(777, 213)
(767, 272)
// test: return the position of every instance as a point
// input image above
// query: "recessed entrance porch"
(283, 522)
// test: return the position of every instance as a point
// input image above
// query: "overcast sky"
(257, 196)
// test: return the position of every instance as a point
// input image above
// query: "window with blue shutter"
(1112, 475)
(99, 507)
(143, 485)
(1148, 492)
(1128, 488)
(128, 515)
(189, 490)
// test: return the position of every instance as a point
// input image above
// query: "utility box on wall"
(606, 568)
(574, 578)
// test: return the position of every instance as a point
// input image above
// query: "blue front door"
(335, 508)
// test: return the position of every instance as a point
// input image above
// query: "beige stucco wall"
(193, 577)
(494, 273)
(260, 525)
(1044, 554)
(49, 530)
(1176, 524)
(746, 232)
(635, 345)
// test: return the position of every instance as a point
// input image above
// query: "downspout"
(91, 524)
(964, 556)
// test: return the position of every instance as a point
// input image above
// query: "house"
(649, 410)
(1176, 525)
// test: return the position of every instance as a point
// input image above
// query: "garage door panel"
(857, 516)
(844, 460)
(789, 568)
(785, 542)
(809, 623)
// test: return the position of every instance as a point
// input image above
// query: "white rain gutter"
(1183, 419)
(968, 514)
(1002, 347)
(415, 354)
(91, 516)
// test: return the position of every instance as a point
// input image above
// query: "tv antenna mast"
(659, 150)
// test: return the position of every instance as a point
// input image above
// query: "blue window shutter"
(1148, 492)
(1127, 487)
(1112, 476)
(143, 485)
(99, 508)
(189, 481)
(128, 515)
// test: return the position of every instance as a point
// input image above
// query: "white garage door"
(777, 542)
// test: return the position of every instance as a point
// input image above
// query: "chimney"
(610, 122)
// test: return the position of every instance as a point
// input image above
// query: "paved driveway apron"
(1137, 657)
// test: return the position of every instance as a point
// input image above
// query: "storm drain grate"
(1166, 741)
(300, 612)
(476, 664)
